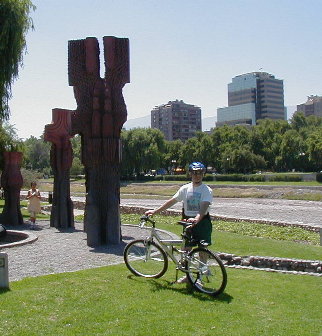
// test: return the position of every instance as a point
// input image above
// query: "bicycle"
(149, 258)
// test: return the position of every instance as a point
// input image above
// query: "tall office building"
(313, 106)
(253, 96)
(177, 120)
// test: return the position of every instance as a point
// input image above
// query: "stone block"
(4, 275)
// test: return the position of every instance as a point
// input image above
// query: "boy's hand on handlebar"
(149, 213)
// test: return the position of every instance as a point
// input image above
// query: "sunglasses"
(197, 173)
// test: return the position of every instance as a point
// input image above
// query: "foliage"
(272, 145)
(319, 177)
(37, 154)
(77, 168)
(143, 150)
(29, 176)
(15, 23)
(9, 141)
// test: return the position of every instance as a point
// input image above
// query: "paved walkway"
(272, 210)
(58, 252)
(263, 209)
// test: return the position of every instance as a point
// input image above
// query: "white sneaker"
(182, 280)
(205, 271)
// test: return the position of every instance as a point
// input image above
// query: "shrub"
(208, 177)
(319, 177)
(285, 178)
(175, 177)
(254, 178)
(29, 176)
(230, 177)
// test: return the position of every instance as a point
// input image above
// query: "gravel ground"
(58, 252)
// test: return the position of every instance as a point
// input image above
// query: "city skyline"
(185, 50)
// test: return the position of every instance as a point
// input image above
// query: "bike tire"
(207, 274)
(145, 258)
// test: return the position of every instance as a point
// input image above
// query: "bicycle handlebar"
(147, 219)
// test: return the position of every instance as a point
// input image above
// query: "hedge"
(285, 177)
(319, 177)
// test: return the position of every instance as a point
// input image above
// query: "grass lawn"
(24, 211)
(110, 301)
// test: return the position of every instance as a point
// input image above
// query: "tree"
(314, 149)
(37, 154)
(15, 23)
(172, 154)
(298, 121)
(9, 141)
(143, 150)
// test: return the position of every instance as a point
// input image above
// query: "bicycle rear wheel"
(206, 272)
(145, 258)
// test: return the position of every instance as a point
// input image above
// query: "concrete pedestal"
(4, 275)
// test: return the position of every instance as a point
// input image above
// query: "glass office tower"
(253, 96)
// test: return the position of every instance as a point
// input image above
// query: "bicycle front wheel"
(145, 258)
(206, 272)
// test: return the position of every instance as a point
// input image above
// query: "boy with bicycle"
(196, 198)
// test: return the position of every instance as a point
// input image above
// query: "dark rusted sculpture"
(58, 133)
(11, 182)
(100, 115)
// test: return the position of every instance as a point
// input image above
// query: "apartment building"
(313, 106)
(177, 120)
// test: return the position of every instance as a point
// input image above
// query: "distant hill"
(207, 123)
(138, 122)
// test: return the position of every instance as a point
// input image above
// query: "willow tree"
(15, 22)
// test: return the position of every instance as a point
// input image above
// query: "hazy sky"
(179, 49)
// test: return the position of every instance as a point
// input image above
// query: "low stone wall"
(273, 264)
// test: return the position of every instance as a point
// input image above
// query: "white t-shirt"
(191, 197)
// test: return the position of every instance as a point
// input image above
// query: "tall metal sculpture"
(99, 117)
(11, 182)
(58, 133)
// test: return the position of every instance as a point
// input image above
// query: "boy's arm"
(202, 212)
(164, 206)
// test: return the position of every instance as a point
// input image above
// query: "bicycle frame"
(167, 245)
(149, 258)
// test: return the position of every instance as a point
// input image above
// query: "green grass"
(317, 197)
(290, 233)
(246, 239)
(110, 301)
(24, 211)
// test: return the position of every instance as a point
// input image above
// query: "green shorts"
(202, 231)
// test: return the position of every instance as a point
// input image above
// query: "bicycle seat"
(184, 223)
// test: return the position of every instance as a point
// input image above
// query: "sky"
(179, 49)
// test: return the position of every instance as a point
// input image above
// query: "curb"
(26, 238)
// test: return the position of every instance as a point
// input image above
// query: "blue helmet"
(197, 166)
